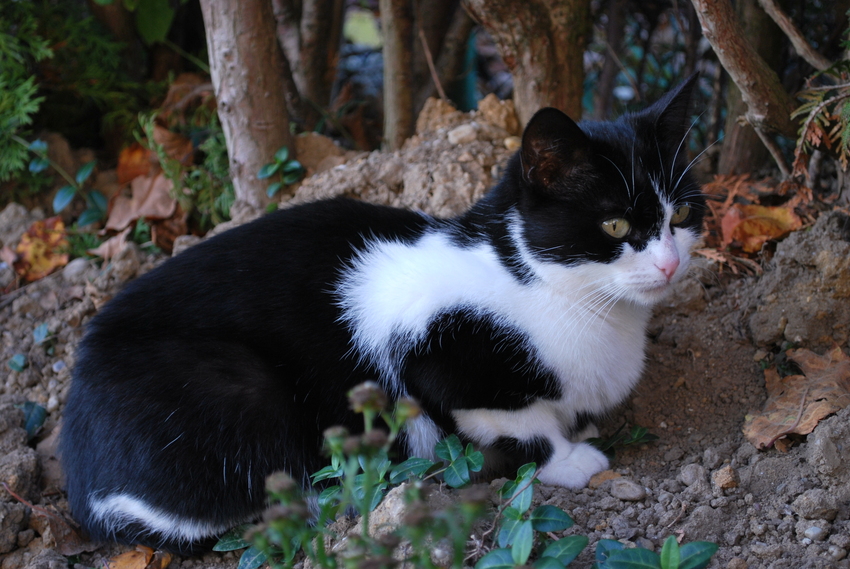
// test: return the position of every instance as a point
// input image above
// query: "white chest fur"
(593, 343)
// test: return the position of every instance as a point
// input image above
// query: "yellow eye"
(680, 214)
(616, 227)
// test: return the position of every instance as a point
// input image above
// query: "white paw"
(574, 468)
(589, 432)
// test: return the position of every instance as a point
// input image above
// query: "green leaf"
(410, 467)
(475, 458)
(84, 172)
(291, 177)
(98, 201)
(63, 197)
(525, 472)
(696, 555)
(233, 539)
(449, 449)
(252, 558)
(523, 540)
(292, 166)
(38, 146)
(17, 362)
(329, 495)
(547, 563)
(508, 531)
(40, 333)
(268, 170)
(457, 473)
(550, 518)
(89, 216)
(38, 165)
(604, 547)
(566, 549)
(153, 20)
(632, 559)
(496, 559)
(325, 473)
(520, 494)
(282, 155)
(34, 417)
(670, 553)
(511, 513)
(273, 189)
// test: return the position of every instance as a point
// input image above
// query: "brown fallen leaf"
(42, 249)
(135, 160)
(175, 145)
(752, 225)
(797, 403)
(150, 198)
(140, 558)
(112, 246)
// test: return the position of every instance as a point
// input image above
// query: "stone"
(15, 219)
(627, 490)
(816, 504)
(821, 451)
(725, 478)
(463, 134)
(13, 519)
(690, 474)
(76, 271)
(815, 533)
(21, 471)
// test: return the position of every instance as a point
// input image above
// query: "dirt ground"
(701, 480)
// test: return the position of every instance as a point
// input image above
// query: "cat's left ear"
(672, 111)
(552, 146)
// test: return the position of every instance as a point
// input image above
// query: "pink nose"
(668, 267)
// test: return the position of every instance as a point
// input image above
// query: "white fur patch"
(119, 510)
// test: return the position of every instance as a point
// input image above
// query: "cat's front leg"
(534, 434)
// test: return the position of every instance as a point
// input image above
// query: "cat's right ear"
(552, 146)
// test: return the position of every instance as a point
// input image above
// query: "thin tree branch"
(801, 46)
(430, 61)
(775, 152)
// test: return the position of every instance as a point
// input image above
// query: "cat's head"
(609, 203)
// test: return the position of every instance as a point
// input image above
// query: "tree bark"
(742, 150)
(397, 27)
(543, 43)
(603, 98)
(769, 106)
(310, 33)
(245, 64)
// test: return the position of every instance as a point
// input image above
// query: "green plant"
(623, 438)
(80, 242)
(290, 171)
(18, 362)
(612, 554)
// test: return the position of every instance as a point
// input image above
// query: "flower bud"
(367, 396)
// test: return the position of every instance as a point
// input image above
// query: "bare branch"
(801, 46)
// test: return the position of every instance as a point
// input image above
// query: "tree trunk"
(310, 33)
(432, 21)
(769, 106)
(245, 64)
(742, 150)
(397, 27)
(543, 43)
(603, 98)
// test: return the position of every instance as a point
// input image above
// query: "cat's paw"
(573, 470)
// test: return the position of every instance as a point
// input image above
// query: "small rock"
(13, 519)
(58, 366)
(513, 143)
(725, 478)
(816, 504)
(628, 490)
(75, 272)
(836, 553)
(674, 453)
(691, 474)
(183, 242)
(601, 477)
(711, 458)
(815, 533)
(644, 543)
(821, 450)
(737, 563)
(463, 134)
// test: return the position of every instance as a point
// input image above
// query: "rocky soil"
(700, 481)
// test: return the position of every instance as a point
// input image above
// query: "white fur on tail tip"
(120, 510)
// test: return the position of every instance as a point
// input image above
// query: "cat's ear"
(672, 111)
(552, 146)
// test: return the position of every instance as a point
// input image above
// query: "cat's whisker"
(625, 183)
(693, 163)
(681, 144)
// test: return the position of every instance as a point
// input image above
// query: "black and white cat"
(513, 325)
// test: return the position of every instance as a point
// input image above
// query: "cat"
(513, 325)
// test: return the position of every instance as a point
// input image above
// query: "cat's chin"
(652, 295)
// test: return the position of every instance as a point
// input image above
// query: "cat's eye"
(616, 227)
(680, 214)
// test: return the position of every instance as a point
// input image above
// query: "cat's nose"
(668, 266)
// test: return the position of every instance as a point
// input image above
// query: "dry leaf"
(752, 225)
(42, 249)
(175, 145)
(112, 246)
(150, 199)
(796, 403)
(134, 161)
(140, 558)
